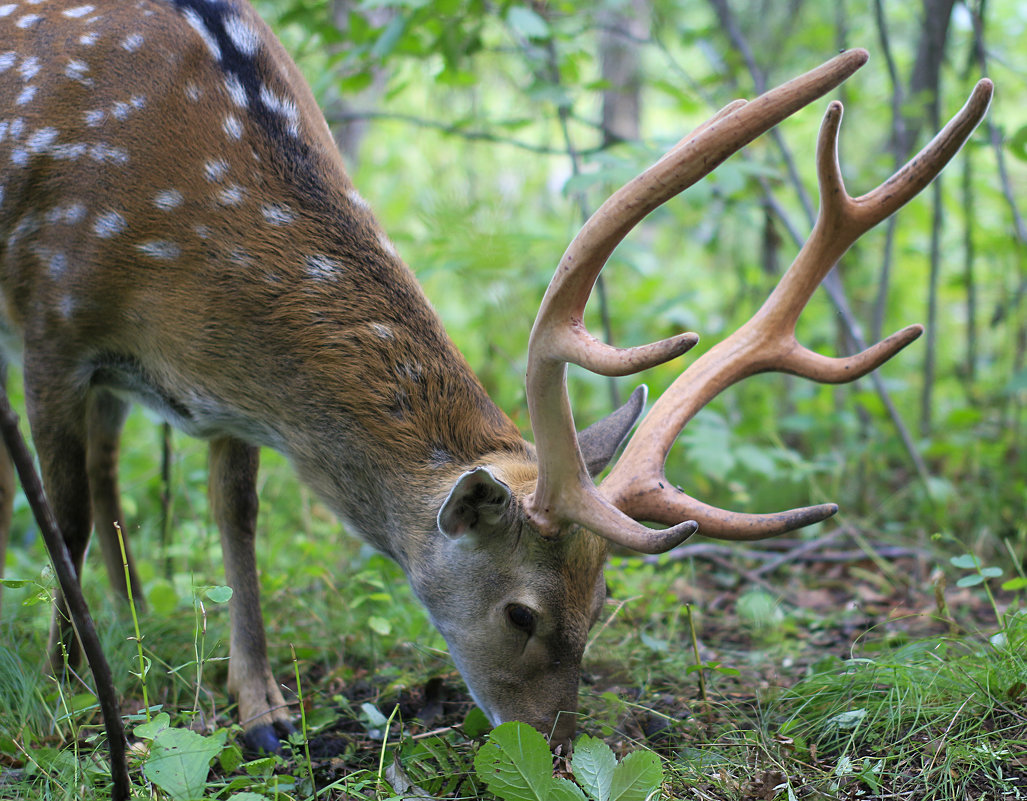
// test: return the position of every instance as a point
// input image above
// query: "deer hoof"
(268, 737)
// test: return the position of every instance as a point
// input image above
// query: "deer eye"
(521, 617)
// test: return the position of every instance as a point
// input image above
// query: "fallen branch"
(67, 577)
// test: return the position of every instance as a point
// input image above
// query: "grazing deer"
(176, 228)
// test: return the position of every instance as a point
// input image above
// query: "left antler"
(767, 342)
(565, 492)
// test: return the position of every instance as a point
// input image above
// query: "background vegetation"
(842, 663)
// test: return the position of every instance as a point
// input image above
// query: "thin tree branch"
(67, 577)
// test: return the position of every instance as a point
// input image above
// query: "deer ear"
(476, 503)
(600, 441)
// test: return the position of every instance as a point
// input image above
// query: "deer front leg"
(56, 404)
(105, 418)
(233, 501)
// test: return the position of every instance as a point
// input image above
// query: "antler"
(767, 342)
(564, 492)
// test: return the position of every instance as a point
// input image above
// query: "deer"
(177, 229)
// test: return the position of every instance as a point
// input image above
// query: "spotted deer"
(177, 228)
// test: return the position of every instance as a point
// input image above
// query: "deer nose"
(562, 732)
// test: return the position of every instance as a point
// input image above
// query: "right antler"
(767, 342)
(636, 489)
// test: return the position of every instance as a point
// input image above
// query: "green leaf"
(147, 731)
(527, 22)
(970, 581)
(637, 776)
(965, 561)
(593, 764)
(476, 724)
(380, 625)
(565, 790)
(1018, 583)
(219, 595)
(179, 762)
(515, 763)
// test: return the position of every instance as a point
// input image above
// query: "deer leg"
(6, 488)
(233, 502)
(56, 407)
(105, 417)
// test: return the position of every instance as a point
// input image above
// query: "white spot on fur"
(69, 213)
(160, 249)
(167, 199)
(216, 169)
(78, 11)
(236, 90)
(94, 117)
(196, 23)
(132, 42)
(7, 9)
(89, 39)
(193, 92)
(67, 305)
(7, 60)
(40, 140)
(76, 70)
(382, 331)
(25, 95)
(71, 151)
(29, 68)
(231, 195)
(232, 127)
(320, 266)
(104, 153)
(28, 20)
(57, 263)
(19, 157)
(245, 39)
(109, 224)
(281, 105)
(277, 214)
(202, 231)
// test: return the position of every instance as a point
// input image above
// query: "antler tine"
(767, 341)
(564, 492)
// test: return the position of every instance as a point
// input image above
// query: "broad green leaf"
(516, 763)
(970, 581)
(1018, 583)
(149, 730)
(219, 595)
(179, 762)
(565, 790)
(637, 776)
(527, 22)
(593, 764)
(379, 625)
(965, 561)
